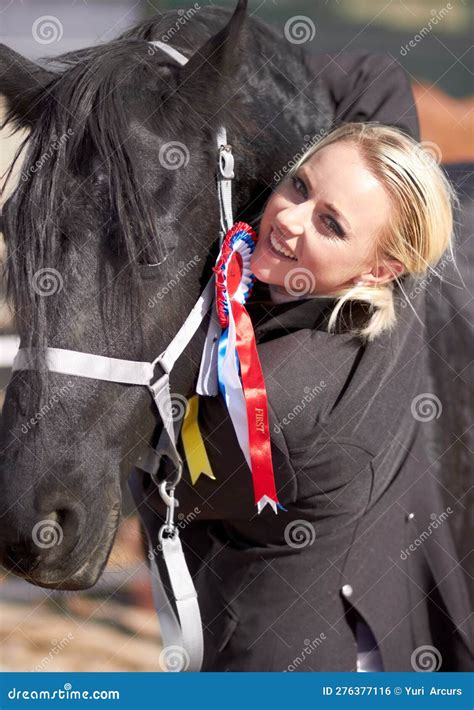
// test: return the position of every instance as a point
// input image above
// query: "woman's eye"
(296, 183)
(327, 220)
(333, 226)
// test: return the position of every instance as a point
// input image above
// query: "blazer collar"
(269, 318)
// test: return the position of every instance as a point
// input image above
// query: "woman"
(360, 573)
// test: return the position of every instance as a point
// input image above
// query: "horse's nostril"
(57, 532)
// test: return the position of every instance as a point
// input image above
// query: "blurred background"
(113, 626)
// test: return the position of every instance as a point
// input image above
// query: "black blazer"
(352, 470)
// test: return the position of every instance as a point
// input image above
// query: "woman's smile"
(278, 248)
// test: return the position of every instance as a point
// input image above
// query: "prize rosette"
(239, 373)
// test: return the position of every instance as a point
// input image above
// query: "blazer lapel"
(271, 320)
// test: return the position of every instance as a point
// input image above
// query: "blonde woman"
(361, 572)
(397, 222)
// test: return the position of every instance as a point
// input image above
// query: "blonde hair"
(420, 228)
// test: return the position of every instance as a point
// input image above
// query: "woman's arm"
(368, 87)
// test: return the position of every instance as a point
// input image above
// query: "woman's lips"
(277, 245)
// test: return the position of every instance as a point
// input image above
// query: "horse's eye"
(150, 271)
(100, 179)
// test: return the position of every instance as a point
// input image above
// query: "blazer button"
(410, 516)
(347, 590)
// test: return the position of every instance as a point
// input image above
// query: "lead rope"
(183, 637)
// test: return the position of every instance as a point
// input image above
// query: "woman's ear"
(383, 273)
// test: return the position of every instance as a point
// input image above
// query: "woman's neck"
(279, 294)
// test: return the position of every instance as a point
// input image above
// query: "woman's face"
(327, 219)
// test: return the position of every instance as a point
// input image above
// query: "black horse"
(111, 235)
(98, 228)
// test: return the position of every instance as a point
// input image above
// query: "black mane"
(84, 130)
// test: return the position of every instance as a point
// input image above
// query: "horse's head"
(109, 234)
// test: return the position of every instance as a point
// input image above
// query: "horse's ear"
(217, 59)
(22, 83)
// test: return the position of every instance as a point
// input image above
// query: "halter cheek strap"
(182, 634)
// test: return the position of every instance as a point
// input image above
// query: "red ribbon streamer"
(256, 405)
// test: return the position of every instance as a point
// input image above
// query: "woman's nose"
(293, 220)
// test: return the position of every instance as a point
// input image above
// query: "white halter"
(184, 636)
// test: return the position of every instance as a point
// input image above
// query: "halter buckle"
(226, 162)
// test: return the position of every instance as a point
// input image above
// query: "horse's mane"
(83, 114)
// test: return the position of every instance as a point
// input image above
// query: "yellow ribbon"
(193, 444)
